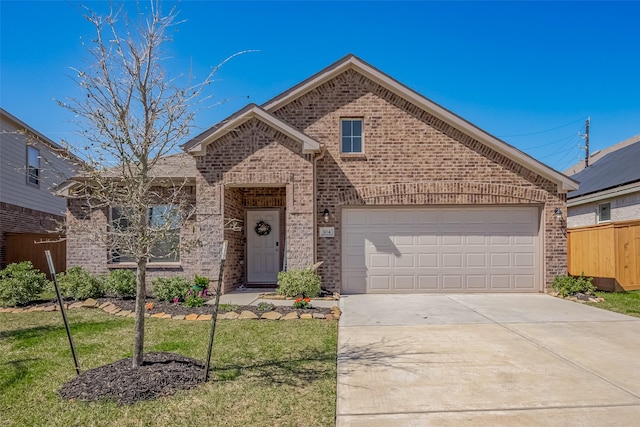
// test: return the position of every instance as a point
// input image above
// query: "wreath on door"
(262, 228)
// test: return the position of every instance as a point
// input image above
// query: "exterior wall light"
(557, 212)
(325, 215)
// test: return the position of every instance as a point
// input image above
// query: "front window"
(604, 212)
(33, 165)
(164, 225)
(351, 134)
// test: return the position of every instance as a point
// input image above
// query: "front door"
(263, 246)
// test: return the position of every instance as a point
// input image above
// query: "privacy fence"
(610, 253)
(31, 247)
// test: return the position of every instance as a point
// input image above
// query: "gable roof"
(617, 168)
(351, 62)
(197, 146)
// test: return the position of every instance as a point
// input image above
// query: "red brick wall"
(410, 158)
(255, 155)
(86, 229)
(16, 219)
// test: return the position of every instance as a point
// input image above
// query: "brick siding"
(410, 158)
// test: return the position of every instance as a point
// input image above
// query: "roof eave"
(564, 183)
(198, 147)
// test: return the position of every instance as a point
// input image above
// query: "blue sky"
(527, 72)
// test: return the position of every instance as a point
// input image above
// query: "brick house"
(31, 165)
(392, 192)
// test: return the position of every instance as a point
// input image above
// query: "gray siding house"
(31, 165)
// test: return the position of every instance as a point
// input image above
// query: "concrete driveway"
(485, 360)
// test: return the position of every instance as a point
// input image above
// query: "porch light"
(325, 215)
(558, 214)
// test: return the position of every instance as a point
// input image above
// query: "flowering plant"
(194, 300)
(302, 303)
(149, 306)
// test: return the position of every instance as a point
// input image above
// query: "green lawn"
(621, 302)
(265, 373)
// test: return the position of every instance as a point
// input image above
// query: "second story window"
(351, 136)
(33, 165)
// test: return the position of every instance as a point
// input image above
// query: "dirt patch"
(161, 374)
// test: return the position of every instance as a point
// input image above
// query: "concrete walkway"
(485, 360)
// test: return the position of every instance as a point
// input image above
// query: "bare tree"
(133, 116)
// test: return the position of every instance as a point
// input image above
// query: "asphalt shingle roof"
(617, 168)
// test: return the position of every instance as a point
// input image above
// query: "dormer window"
(351, 136)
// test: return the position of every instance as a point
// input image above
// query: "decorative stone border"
(111, 308)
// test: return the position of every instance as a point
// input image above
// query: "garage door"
(488, 249)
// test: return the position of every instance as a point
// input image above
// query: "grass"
(620, 302)
(264, 373)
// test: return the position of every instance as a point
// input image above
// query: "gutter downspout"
(323, 151)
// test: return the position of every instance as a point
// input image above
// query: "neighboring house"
(30, 166)
(604, 218)
(392, 192)
(609, 186)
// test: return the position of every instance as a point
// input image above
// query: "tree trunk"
(141, 294)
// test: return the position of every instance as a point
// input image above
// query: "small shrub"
(296, 283)
(200, 283)
(20, 284)
(78, 283)
(302, 303)
(265, 306)
(193, 299)
(122, 283)
(228, 307)
(171, 288)
(571, 285)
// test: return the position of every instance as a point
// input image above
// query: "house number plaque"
(327, 232)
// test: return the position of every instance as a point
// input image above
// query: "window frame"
(30, 168)
(599, 212)
(351, 135)
(115, 258)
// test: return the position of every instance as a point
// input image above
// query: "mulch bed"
(162, 374)
(179, 309)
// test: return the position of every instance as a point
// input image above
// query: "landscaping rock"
(159, 315)
(178, 317)
(49, 308)
(76, 304)
(104, 304)
(132, 314)
(248, 315)
(191, 316)
(306, 316)
(90, 303)
(291, 316)
(230, 315)
(319, 316)
(17, 310)
(124, 313)
(205, 317)
(271, 315)
(329, 317)
(166, 316)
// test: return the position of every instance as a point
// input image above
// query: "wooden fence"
(610, 253)
(26, 247)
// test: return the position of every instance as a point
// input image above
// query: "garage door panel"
(403, 282)
(380, 283)
(452, 282)
(442, 249)
(428, 260)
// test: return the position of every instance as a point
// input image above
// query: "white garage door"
(398, 250)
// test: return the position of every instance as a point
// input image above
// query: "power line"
(544, 131)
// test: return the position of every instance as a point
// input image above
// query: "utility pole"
(586, 143)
